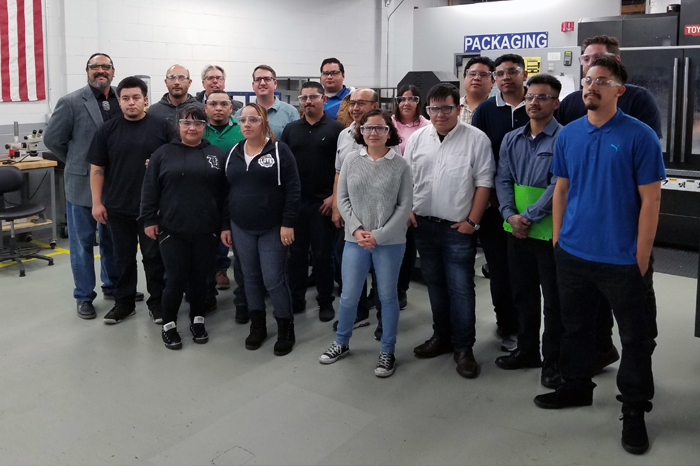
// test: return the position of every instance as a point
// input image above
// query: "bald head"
(362, 100)
(177, 80)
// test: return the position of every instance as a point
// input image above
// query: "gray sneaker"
(117, 314)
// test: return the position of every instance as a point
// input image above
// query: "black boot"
(285, 337)
(258, 330)
(634, 431)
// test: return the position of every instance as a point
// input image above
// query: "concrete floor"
(81, 392)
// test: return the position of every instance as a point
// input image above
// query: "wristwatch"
(475, 226)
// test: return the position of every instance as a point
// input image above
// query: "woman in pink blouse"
(408, 111)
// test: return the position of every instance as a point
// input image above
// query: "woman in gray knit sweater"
(375, 197)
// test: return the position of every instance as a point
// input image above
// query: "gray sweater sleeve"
(352, 223)
(394, 230)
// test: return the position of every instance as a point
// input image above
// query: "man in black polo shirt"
(496, 117)
(313, 140)
(117, 158)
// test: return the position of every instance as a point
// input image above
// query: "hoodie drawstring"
(279, 175)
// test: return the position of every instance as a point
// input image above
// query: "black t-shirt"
(314, 148)
(109, 106)
(122, 146)
(219, 128)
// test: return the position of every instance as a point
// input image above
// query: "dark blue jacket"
(497, 121)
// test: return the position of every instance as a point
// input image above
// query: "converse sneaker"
(385, 365)
(334, 353)
(156, 314)
(117, 314)
(170, 336)
(199, 333)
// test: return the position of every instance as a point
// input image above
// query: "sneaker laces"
(334, 351)
(385, 360)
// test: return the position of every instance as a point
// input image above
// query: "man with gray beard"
(68, 135)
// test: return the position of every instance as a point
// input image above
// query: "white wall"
(440, 31)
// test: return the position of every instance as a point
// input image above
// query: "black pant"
(493, 239)
(315, 230)
(408, 263)
(623, 287)
(605, 320)
(188, 260)
(127, 234)
(532, 266)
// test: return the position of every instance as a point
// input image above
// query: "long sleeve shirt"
(527, 161)
(446, 174)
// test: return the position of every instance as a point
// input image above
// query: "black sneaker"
(86, 310)
(117, 314)
(326, 313)
(403, 300)
(242, 316)
(170, 336)
(334, 353)
(199, 333)
(386, 365)
(635, 439)
(156, 313)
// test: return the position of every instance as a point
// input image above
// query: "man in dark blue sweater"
(497, 116)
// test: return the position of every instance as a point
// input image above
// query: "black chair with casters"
(11, 180)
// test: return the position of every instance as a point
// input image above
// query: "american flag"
(21, 51)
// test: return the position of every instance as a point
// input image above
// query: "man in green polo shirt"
(223, 130)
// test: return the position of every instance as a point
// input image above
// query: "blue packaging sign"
(518, 40)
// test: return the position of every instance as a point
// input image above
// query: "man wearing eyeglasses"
(452, 180)
(68, 135)
(223, 130)
(497, 116)
(278, 113)
(636, 101)
(609, 168)
(525, 186)
(313, 141)
(117, 158)
(178, 82)
(640, 104)
(332, 78)
(213, 79)
(478, 82)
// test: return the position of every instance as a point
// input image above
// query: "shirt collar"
(412, 124)
(99, 95)
(448, 135)
(276, 104)
(389, 155)
(549, 130)
(231, 121)
(502, 103)
(608, 126)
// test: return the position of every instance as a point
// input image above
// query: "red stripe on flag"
(22, 51)
(39, 51)
(5, 51)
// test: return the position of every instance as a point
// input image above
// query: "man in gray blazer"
(68, 135)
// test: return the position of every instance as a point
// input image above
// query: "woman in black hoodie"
(181, 201)
(263, 201)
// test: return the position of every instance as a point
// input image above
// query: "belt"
(434, 219)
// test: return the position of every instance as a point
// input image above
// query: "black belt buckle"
(436, 219)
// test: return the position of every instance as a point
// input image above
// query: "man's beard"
(592, 106)
(100, 85)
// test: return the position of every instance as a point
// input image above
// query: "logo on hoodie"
(266, 161)
(213, 161)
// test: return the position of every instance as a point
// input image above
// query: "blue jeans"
(81, 240)
(263, 258)
(447, 263)
(356, 264)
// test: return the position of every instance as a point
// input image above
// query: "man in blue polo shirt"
(332, 79)
(524, 172)
(609, 168)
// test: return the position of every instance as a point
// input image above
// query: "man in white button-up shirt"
(453, 175)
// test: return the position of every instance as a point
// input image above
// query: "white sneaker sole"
(323, 360)
(384, 374)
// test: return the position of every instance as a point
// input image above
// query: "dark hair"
(96, 54)
(263, 114)
(314, 85)
(547, 79)
(219, 91)
(442, 91)
(612, 45)
(483, 60)
(193, 110)
(265, 67)
(333, 60)
(511, 57)
(614, 66)
(394, 138)
(414, 90)
(130, 82)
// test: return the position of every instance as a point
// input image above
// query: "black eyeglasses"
(331, 73)
(444, 109)
(98, 66)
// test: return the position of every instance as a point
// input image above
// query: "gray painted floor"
(81, 392)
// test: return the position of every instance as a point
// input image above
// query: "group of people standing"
(568, 213)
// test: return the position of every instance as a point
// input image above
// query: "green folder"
(525, 196)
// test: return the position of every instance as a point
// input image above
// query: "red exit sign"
(692, 30)
(567, 26)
